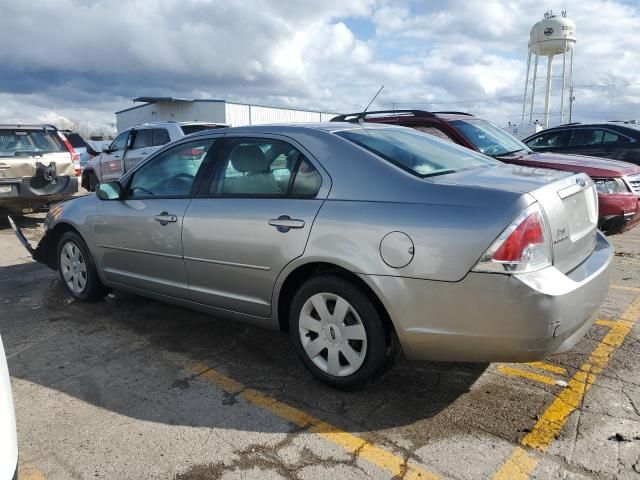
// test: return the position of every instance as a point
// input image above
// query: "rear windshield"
(189, 129)
(419, 153)
(24, 142)
(76, 140)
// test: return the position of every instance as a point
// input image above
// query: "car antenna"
(361, 116)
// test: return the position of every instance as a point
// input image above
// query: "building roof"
(151, 100)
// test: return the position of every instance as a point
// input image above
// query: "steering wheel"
(142, 190)
(492, 150)
(187, 177)
(181, 179)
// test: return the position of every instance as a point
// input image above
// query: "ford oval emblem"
(581, 181)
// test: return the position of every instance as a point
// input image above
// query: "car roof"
(612, 125)
(407, 115)
(284, 128)
(180, 124)
(33, 126)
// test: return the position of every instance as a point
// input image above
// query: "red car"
(618, 183)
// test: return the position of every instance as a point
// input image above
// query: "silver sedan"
(360, 240)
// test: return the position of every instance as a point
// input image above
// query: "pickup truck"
(135, 144)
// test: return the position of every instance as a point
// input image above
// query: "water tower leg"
(526, 85)
(547, 93)
(571, 97)
(564, 62)
(533, 88)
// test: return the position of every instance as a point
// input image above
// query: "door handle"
(284, 223)
(164, 218)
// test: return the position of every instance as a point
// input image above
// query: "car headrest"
(249, 159)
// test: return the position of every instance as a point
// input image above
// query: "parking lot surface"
(132, 388)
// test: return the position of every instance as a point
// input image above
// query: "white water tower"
(551, 36)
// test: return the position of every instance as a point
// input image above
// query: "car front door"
(111, 161)
(139, 237)
(249, 221)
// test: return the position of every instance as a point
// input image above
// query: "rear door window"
(160, 137)
(264, 167)
(143, 139)
(583, 137)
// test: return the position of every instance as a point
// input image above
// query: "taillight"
(523, 246)
(74, 156)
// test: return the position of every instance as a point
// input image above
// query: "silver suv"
(37, 166)
(134, 145)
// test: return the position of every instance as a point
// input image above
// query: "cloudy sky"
(84, 59)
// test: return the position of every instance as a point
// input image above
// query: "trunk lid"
(571, 208)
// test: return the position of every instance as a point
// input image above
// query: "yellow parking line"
(624, 287)
(548, 367)
(29, 472)
(520, 464)
(395, 465)
(511, 371)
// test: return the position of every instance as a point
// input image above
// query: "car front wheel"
(339, 333)
(77, 269)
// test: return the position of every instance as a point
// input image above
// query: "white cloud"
(84, 60)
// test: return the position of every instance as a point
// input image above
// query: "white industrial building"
(159, 109)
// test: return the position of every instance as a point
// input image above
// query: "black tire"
(93, 289)
(381, 344)
(89, 181)
(93, 181)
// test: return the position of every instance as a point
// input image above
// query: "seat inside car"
(254, 167)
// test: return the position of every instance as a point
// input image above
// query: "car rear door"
(249, 220)
(111, 161)
(139, 237)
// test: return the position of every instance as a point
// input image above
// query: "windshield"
(488, 138)
(419, 153)
(21, 142)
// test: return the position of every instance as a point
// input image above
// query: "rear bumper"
(27, 193)
(495, 317)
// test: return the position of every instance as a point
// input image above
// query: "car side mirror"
(109, 191)
(105, 148)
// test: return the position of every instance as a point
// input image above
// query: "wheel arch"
(47, 250)
(295, 276)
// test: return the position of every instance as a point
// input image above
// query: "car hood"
(592, 166)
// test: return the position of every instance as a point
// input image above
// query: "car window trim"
(196, 182)
(214, 176)
(128, 132)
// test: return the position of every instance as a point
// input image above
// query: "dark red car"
(618, 183)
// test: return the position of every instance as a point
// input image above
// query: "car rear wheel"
(339, 333)
(77, 269)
